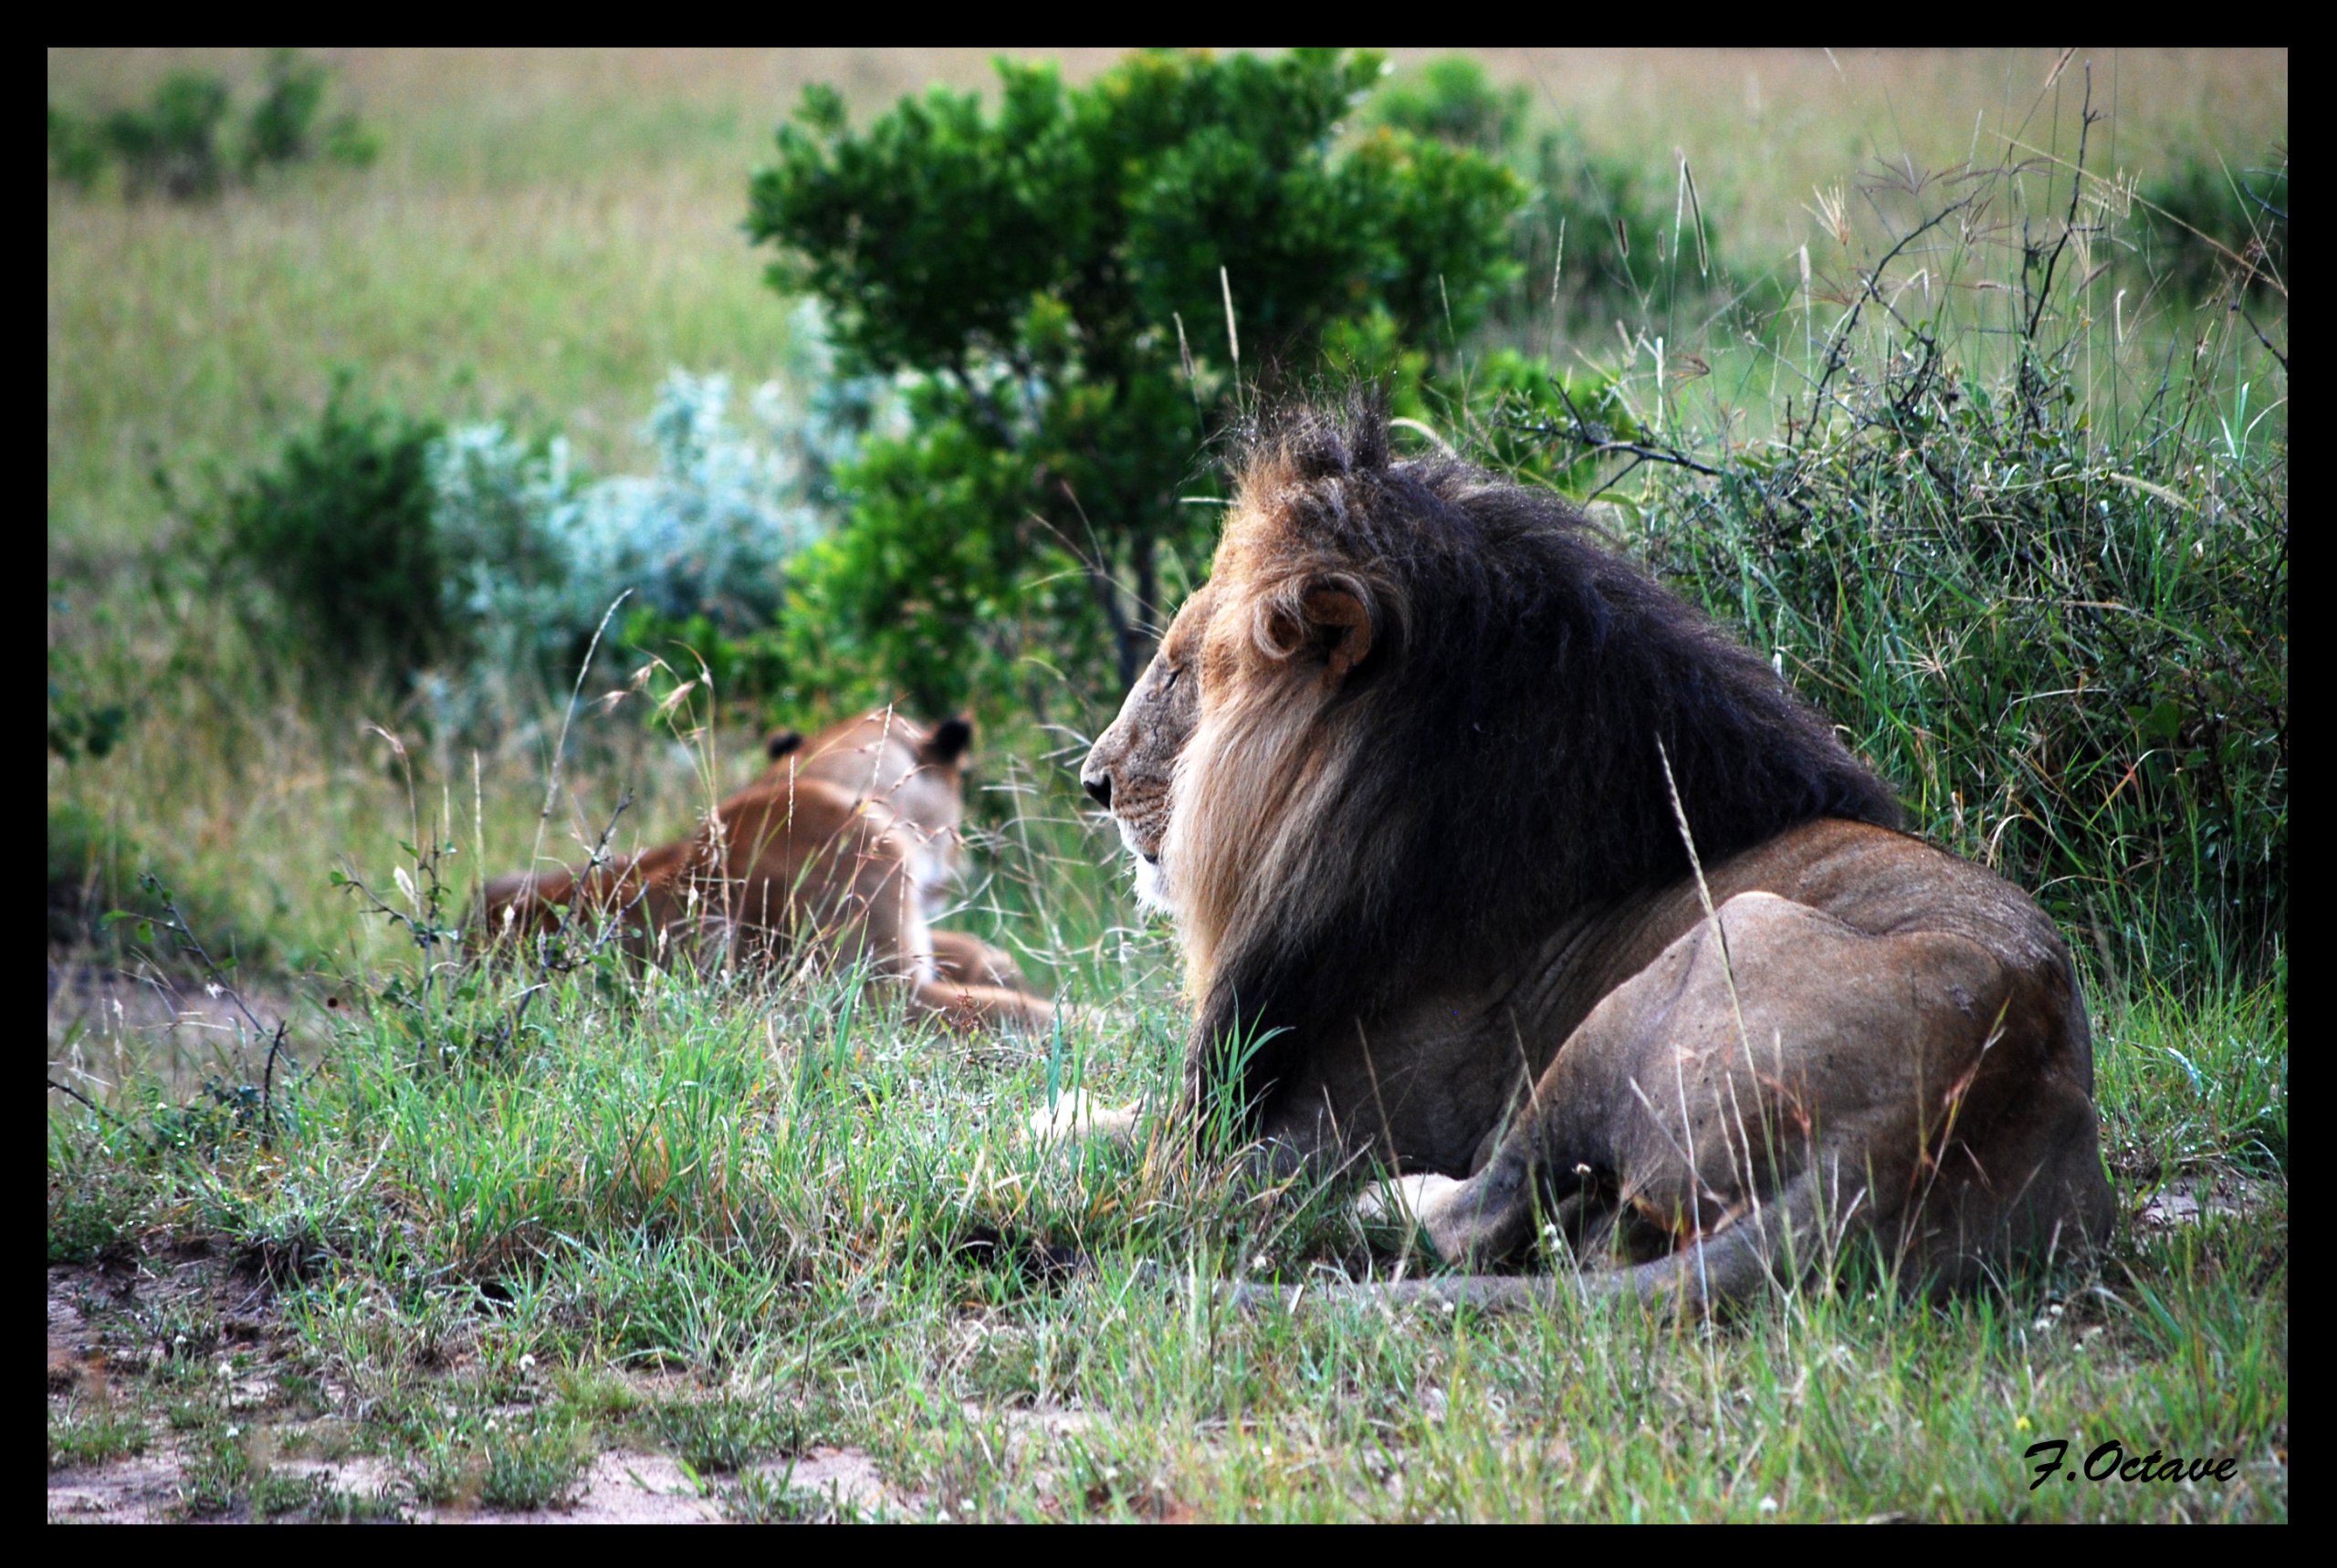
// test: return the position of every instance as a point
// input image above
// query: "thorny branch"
(1599, 441)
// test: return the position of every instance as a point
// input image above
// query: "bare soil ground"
(111, 1352)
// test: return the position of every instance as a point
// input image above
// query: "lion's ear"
(1326, 624)
(1338, 626)
(779, 742)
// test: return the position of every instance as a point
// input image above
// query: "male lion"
(1404, 773)
(835, 853)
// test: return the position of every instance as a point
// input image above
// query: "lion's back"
(1882, 880)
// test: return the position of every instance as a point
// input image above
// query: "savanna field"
(458, 462)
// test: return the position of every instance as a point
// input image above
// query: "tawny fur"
(834, 855)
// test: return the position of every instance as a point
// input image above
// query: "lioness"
(1403, 771)
(834, 854)
(920, 772)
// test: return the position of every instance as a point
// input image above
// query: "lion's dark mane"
(1515, 696)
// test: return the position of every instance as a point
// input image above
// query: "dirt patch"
(114, 1320)
(847, 1480)
(142, 1344)
(621, 1488)
(143, 1490)
(2188, 1200)
(107, 1326)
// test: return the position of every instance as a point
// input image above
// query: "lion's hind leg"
(1689, 1104)
(1774, 1245)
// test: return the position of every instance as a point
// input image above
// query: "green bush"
(2210, 226)
(2075, 678)
(1054, 278)
(77, 152)
(283, 122)
(473, 564)
(1451, 100)
(185, 143)
(710, 533)
(2055, 615)
(172, 145)
(339, 532)
(693, 556)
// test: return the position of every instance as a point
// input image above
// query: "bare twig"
(1839, 342)
(1599, 442)
(68, 1089)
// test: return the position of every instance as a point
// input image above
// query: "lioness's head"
(919, 770)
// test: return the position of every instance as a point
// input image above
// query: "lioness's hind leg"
(967, 1007)
(969, 960)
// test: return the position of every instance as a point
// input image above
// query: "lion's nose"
(1099, 788)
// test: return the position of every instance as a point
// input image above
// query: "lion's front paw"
(1075, 1114)
(1418, 1202)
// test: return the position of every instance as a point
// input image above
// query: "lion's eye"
(1170, 679)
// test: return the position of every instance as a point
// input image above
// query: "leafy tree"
(1050, 285)
(77, 150)
(1452, 99)
(281, 121)
(172, 146)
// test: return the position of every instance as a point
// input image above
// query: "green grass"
(743, 1226)
(211, 328)
(836, 1234)
(2193, 1089)
(80, 1434)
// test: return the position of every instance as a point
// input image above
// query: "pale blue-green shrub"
(535, 559)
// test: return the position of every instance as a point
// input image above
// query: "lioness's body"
(832, 856)
(882, 756)
(1405, 772)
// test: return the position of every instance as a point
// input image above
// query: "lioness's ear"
(779, 742)
(951, 739)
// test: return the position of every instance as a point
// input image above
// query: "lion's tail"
(1775, 1246)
